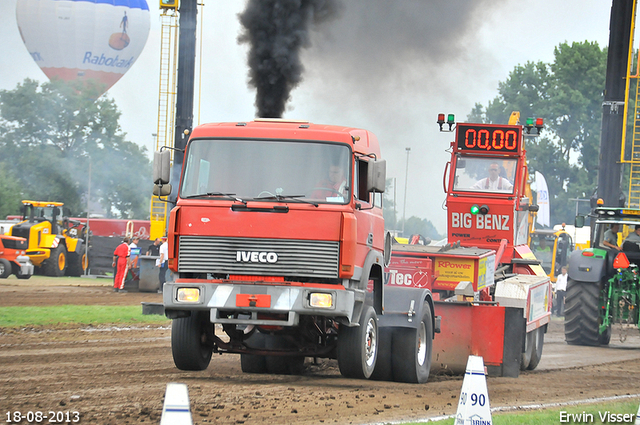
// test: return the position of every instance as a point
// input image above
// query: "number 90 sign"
(488, 138)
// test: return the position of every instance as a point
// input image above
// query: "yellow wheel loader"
(55, 243)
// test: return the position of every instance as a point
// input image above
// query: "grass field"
(14, 317)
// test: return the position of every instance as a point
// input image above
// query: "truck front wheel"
(358, 346)
(582, 313)
(411, 358)
(190, 342)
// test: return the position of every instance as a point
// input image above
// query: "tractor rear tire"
(56, 264)
(5, 268)
(189, 342)
(412, 348)
(358, 346)
(582, 313)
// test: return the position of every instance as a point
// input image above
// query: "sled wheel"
(411, 357)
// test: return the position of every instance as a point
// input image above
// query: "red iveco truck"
(277, 237)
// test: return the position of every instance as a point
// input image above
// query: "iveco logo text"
(256, 257)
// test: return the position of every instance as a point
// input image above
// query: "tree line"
(568, 95)
(52, 135)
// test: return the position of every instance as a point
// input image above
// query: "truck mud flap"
(493, 332)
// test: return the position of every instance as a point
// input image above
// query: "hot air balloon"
(86, 40)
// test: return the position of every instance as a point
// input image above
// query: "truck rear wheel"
(5, 268)
(252, 363)
(411, 357)
(190, 342)
(282, 365)
(358, 346)
(56, 264)
(581, 313)
(383, 371)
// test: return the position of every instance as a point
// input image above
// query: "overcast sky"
(387, 66)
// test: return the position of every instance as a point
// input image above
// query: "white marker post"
(473, 407)
(176, 409)
(638, 417)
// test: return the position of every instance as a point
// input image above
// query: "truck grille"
(202, 254)
(14, 243)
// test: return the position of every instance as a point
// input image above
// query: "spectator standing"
(561, 290)
(154, 250)
(162, 263)
(121, 265)
(135, 252)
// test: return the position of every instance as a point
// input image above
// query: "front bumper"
(246, 304)
(26, 266)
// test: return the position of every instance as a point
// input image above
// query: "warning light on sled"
(531, 123)
(451, 120)
(475, 209)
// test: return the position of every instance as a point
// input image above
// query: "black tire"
(582, 313)
(189, 342)
(251, 363)
(282, 365)
(75, 267)
(538, 344)
(56, 264)
(525, 356)
(358, 346)
(605, 337)
(383, 371)
(411, 353)
(5, 268)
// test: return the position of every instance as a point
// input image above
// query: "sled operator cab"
(485, 183)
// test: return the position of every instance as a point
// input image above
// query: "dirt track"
(118, 375)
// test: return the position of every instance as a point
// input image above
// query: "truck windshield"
(287, 171)
(475, 174)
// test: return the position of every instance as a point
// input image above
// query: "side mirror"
(376, 175)
(161, 167)
(534, 208)
(579, 223)
(162, 189)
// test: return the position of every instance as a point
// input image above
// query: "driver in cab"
(494, 182)
(335, 185)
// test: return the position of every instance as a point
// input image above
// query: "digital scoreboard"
(489, 138)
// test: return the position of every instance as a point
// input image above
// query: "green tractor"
(604, 286)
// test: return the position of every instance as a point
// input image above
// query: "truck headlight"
(189, 295)
(321, 300)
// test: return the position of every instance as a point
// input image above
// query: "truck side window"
(361, 183)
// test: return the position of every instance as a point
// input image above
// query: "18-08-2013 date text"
(42, 417)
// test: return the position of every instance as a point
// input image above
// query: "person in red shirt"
(121, 264)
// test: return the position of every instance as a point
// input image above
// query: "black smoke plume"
(276, 31)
